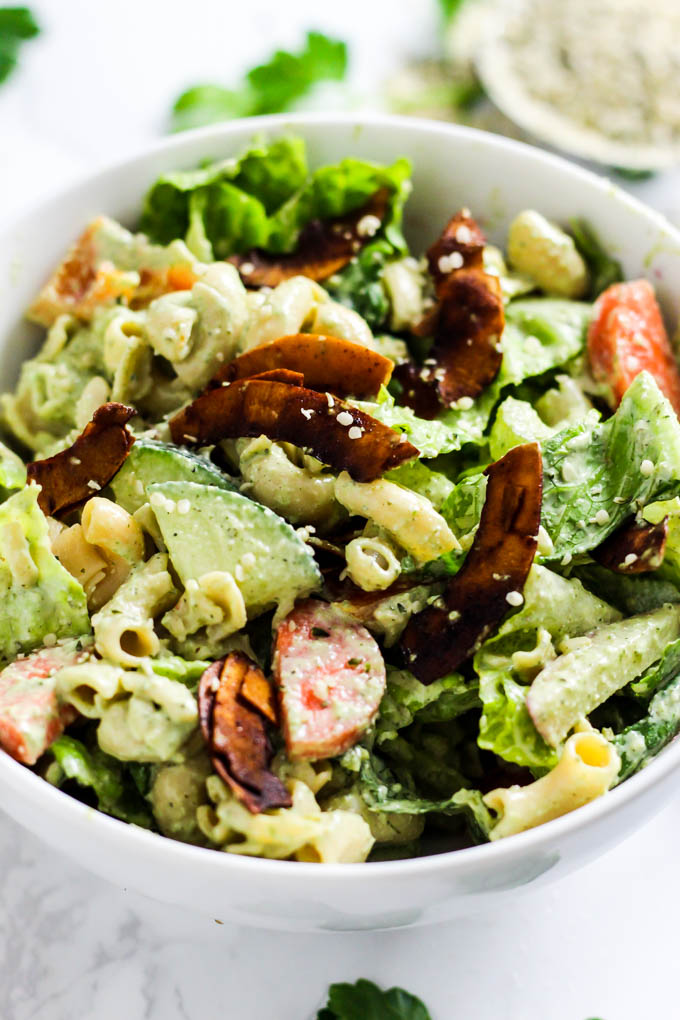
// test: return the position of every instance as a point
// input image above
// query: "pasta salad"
(315, 549)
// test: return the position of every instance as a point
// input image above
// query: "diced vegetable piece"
(30, 715)
(326, 362)
(543, 251)
(236, 734)
(150, 461)
(339, 434)
(635, 548)
(331, 677)
(627, 336)
(208, 529)
(324, 247)
(492, 577)
(108, 263)
(575, 683)
(75, 474)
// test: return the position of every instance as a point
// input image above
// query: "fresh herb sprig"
(271, 87)
(365, 1001)
(17, 24)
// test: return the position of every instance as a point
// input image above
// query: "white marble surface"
(602, 943)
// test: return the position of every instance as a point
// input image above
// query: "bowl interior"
(452, 167)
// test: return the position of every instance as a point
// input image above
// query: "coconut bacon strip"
(324, 247)
(232, 705)
(338, 434)
(437, 640)
(328, 363)
(79, 472)
(467, 323)
(635, 548)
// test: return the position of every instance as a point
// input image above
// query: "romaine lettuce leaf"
(267, 173)
(360, 286)
(407, 700)
(603, 270)
(554, 607)
(111, 781)
(264, 198)
(659, 673)
(516, 422)
(641, 741)
(463, 508)
(540, 335)
(630, 593)
(594, 475)
(383, 791)
(39, 597)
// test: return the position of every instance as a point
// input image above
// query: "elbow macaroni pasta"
(124, 628)
(408, 517)
(587, 768)
(300, 495)
(143, 716)
(371, 563)
(303, 832)
(542, 251)
(213, 601)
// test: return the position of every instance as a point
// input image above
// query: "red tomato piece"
(627, 336)
(31, 718)
(331, 677)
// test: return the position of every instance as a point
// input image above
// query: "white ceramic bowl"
(453, 166)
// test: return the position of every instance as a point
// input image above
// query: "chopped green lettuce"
(463, 508)
(407, 700)
(112, 782)
(595, 476)
(39, 597)
(516, 422)
(603, 270)
(659, 673)
(554, 607)
(638, 743)
(270, 87)
(265, 197)
(383, 791)
(360, 284)
(541, 334)
(630, 593)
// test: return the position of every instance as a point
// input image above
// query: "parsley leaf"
(268, 88)
(16, 25)
(365, 1001)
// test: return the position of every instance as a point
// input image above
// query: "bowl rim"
(482, 856)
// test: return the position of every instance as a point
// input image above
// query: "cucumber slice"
(206, 529)
(150, 461)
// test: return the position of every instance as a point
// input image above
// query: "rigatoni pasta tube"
(587, 768)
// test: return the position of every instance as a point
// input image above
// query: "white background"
(602, 943)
